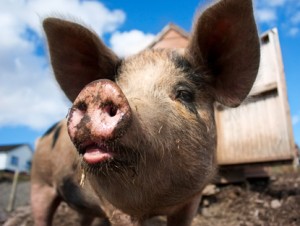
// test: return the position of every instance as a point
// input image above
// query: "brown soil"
(256, 202)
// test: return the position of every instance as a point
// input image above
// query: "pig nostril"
(111, 110)
(81, 106)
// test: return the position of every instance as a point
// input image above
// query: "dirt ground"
(273, 202)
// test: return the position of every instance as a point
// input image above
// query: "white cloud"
(294, 31)
(29, 94)
(131, 42)
(296, 18)
(295, 119)
(281, 13)
(266, 15)
(276, 2)
(30, 97)
(272, 3)
(31, 12)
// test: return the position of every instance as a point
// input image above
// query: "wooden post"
(12, 197)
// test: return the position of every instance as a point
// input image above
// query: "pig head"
(144, 126)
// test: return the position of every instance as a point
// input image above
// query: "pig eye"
(184, 95)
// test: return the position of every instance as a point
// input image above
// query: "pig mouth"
(94, 153)
(107, 157)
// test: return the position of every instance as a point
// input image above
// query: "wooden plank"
(253, 132)
(257, 90)
(282, 89)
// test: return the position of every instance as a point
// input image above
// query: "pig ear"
(226, 44)
(77, 55)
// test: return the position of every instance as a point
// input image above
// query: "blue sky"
(30, 100)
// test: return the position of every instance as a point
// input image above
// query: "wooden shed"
(260, 130)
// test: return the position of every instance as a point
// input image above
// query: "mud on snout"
(99, 117)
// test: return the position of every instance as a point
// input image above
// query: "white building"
(13, 157)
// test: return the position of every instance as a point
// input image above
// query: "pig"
(143, 127)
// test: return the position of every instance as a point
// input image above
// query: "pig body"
(55, 177)
(143, 126)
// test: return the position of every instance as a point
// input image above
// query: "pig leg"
(118, 218)
(184, 216)
(98, 221)
(44, 202)
(85, 220)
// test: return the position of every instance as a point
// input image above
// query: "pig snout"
(99, 116)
